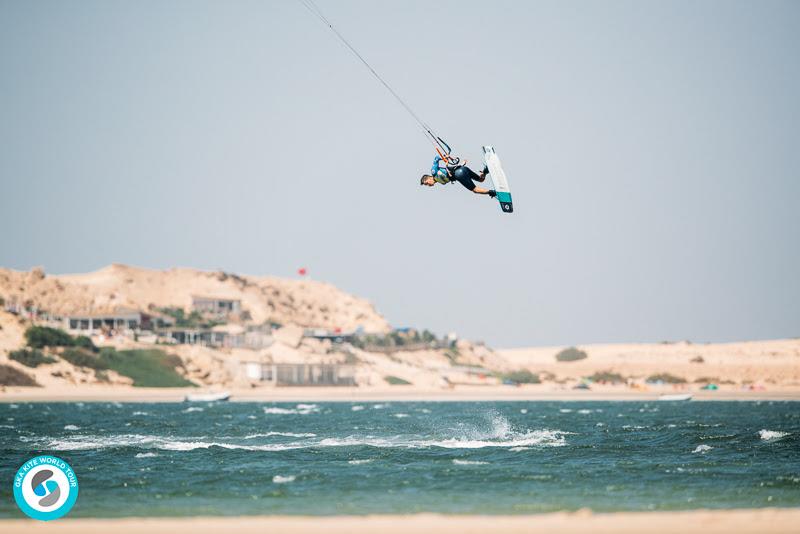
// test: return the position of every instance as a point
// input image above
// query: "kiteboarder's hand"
(492, 193)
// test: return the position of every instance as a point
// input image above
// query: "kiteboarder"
(445, 172)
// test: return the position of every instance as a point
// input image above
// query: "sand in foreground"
(701, 522)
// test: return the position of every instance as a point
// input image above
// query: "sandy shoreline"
(394, 393)
(699, 521)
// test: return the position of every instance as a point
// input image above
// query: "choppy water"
(357, 458)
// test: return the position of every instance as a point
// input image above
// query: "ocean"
(173, 459)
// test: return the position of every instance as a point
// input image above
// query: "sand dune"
(303, 302)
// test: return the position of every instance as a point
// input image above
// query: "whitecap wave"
(702, 449)
(279, 479)
(300, 409)
(191, 409)
(772, 435)
(146, 455)
(357, 408)
(469, 462)
(284, 434)
(140, 413)
(72, 427)
(360, 462)
(401, 415)
(500, 434)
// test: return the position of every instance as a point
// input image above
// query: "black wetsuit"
(466, 177)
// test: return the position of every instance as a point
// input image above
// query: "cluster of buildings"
(216, 322)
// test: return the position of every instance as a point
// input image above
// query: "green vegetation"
(147, 367)
(522, 376)
(84, 343)
(453, 355)
(665, 378)
(14, 377)
(396, 381)
(194, 320)
(707, 380)
(395, 339)
(607, 376)
(30, 357)
(38, 337)
(83, 358)
(570, 354)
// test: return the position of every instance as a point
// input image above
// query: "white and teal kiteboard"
(498, 179)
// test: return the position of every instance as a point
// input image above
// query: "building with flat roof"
(216, 306)
(119, 319)
(301, 374)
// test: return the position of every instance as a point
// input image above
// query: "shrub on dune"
(570, 354)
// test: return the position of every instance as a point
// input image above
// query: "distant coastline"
(396, 393)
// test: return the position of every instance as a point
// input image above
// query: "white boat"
(207, 397)
(676, 397)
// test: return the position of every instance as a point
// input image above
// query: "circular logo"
(45, 488)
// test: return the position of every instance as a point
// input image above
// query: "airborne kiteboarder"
(446, 168)
(451, 170)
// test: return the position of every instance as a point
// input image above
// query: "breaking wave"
(771, 435)
(300, 409)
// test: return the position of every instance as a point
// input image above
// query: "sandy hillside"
(12, 331)
(303, 302)
(768, 362)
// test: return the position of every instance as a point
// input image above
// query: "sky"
(652, 149)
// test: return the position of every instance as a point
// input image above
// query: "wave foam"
(300, 409)
(702, 449)
(469, 462)
(772, 435)
(284, 434)
(278, 479)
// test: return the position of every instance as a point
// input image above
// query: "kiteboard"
(498, 179)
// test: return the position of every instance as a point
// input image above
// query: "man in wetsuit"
(444, 173)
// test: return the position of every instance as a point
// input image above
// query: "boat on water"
(676, 397)
(207, 397)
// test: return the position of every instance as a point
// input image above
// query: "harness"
(442, 170)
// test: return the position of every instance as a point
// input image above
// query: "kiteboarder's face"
(429, 181)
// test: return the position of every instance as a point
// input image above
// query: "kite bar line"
(441, 146)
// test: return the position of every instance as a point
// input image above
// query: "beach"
(95, 393)
(700, 522)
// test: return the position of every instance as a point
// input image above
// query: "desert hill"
(305, 303)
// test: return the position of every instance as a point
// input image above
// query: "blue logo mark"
(45, 488)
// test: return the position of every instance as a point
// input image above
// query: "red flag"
(302, 271)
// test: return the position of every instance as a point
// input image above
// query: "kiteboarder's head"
(428, 180)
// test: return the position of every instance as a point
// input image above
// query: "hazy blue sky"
(653, 150)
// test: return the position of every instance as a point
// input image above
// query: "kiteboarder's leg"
(467, 177)
(464, 172)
